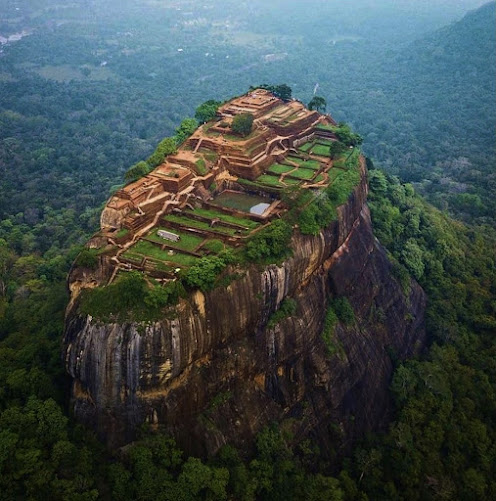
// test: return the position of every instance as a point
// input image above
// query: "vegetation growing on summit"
(207, 111)
(242, 124)
(270, 244)
(282, 91)
(317, 103)
(130, 299)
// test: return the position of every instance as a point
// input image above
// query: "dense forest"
(440, 445)
(90, 90)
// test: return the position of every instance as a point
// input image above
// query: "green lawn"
(187, 241)
(302, 173)
(322, 151)
(270, 180)
(228, 218)
(290, 181)
(279, 168)
(325, 127)
(215, 246)
(311, 164)
(319, 178)
(154, 252)
(200, 225)
(305, 147)
(149, 250)
(122, 233)
(132, 256)
(182, 259)
(296, 160)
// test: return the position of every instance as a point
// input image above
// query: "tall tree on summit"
(317, 103)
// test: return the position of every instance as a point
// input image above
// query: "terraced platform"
(219, 188)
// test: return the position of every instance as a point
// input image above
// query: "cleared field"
(325, 127)
(187, 241)
(279, 168)
(311, 164)
(302, 173)
(289, 181)
(215, 246)
(270, 180)
(306, 147)
(149, 250)
(228, 218)
(200, 225)
(132, 256)
(321, 150)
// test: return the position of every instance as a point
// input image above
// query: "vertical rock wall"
(215, 373)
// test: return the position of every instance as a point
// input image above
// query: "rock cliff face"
(215, 374)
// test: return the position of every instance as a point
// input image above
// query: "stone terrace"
(178, 196)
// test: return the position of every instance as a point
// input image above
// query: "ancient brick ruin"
(202, 192)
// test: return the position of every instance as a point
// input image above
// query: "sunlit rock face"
(213, 373)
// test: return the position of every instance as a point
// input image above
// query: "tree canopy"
(242, 124)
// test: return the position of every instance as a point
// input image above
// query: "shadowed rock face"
(215, 374)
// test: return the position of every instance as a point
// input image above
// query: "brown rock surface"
(215, 374)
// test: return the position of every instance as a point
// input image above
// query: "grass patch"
(302, 173)
(122, 233)
(279, 168)
(296, 160)
(130, 298)
(268, 179)
(306, 147)
(292, 182)
(199, 225)
(201, 167)
(210, 156)
(325, 127)
(343, 185)
(187, 241)
(319, 178)
(215, 245)
(181, 259)
(333, 174)
(311, 164)
(260, 186)
(149, 250)
(132, 256)
(228, 218)
(320, 150)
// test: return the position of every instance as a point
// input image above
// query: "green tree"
(317, 103)
(137, 171)
(187, 127)
(283, 91)
(166, 147)
(336, 149)
(242, 124)
(271, 243)
(207, 111)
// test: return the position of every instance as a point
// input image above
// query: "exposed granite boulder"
(214, 373)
